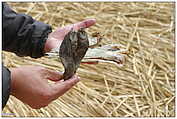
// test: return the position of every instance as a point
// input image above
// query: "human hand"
(30, 85)
(55, 38)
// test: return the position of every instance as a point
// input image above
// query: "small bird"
(72, 51)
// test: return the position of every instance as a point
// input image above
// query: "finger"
(61, 87)
(84, 24)
(54, 75)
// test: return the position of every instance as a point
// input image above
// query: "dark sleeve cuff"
(39, 37)
(6, 78)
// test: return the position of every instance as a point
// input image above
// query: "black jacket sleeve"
(5, 85)
(22, 34)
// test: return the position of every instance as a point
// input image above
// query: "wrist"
(48, 45)
(14, 73)
(51, 43)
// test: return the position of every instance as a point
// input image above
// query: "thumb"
(61, 87)
(53, 75)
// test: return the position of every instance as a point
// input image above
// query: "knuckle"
(68, 86)
(73, 83)
(65, 88)
(46, 96)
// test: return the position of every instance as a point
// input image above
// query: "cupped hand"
(55, 38)
(30, 85)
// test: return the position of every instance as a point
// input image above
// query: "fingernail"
(60, 73)
(62, 80)
(79, 78)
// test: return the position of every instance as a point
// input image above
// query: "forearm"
(22, 34)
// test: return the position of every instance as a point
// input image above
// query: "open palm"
(55, 38)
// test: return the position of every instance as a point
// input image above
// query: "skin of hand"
(55, 38)
(30, 85)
